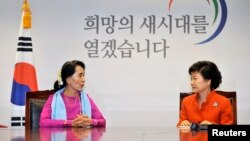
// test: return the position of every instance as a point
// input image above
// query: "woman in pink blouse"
(70, 106)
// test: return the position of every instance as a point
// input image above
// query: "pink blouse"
(72, 110)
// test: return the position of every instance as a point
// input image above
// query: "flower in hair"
(59, 79)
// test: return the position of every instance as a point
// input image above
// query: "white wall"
(136, 91)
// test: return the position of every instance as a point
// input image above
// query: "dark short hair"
(67, 70)
(209, 71)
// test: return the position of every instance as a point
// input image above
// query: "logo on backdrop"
(223, 19)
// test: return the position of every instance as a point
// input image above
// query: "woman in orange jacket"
(205, 106)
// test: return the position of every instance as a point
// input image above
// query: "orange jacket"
(216, 109)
